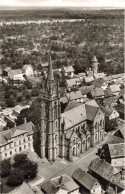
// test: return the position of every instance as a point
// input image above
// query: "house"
(61, 184)
(108, 93)
(99, 75)
(85, 90)
(100, 83)
(27, 70)
(16, 140)
(113, 139)
(6, 71)
(16, 75)
(88, 79)
(75, 96)
(96, 93)
(121, 110)
(68, 71)
(24, 188)
(72, 83)
(120, 132)
(86, 182)
(115, 89)
(110, 112)
(116, 154)
(107, 175)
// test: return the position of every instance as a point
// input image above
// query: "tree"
(111, 125)
(30, 169)
(80, 65)
(16, 177)
(5, 168)
(10, 102)
(20, 159)
(19, 98)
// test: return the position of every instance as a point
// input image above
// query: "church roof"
(71, 105)
(91, 112)
(74, 116)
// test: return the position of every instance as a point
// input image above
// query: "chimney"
(25, 121)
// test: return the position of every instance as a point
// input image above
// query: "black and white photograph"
(62, 100)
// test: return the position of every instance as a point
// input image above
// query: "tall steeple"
(50, 76)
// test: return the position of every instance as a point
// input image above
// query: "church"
(69, 134)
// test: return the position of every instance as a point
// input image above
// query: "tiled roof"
(71, 105)
(74, 116)
(107, 110)
(91, 112)
(120, 108)
(15, 131)
(97, 92)
(68, 69)
(121, 130)
(74, 95)
(89, 79)
(23, 189)
(84, 179)
(102, 168)
(85, 89)
(17, 71)
(7, 69)
(62, 182)
(108, 92)
(92, 103)
(115, 88)
(98, 83)
(112, 139)
(72, 82)
(116, 150)
(64, 100)
(27, 65)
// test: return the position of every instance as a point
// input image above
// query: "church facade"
(71, 133)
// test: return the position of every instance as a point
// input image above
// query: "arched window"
(96, 125)
(96, 137)
(101, 123)
(56, 138)
(83, 142)
(74, 151)
(74, 141)
(100, 134)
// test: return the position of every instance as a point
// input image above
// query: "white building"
(16, 140)
(27, 70)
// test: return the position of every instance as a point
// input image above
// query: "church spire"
(50, 76)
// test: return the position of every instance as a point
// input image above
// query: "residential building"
(71, 133)
(68, 71)
(75, 96)
(87, 183)
(16, 140)
(110, 112)
(16, 75)
(107, 175)
(115, 89)
(62, 184)
(108, 93)
(6, 71)
(100, 83)
(96, 93)
(27, 70)
(72, 83)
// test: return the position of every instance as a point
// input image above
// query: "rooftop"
(68, 69)
(116, 150)
(84, 178)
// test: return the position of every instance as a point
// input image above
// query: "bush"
(16, 177)
(19, 98)
(10, 102)
(5, 168)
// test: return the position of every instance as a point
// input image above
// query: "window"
(24, 146)
(56, 138)
(83, 142)
(15, 150)
(10, 152)
(96, 137)
(74, 141)
(96, 125)
(9, 145)
(19, 141)
(24, 140)
(28, 144)
(14, 143)
(20, 149)
(5, 154)
(74, 151)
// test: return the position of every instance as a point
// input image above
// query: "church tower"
(50, 116)
(94, 65)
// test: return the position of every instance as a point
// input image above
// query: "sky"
(64, 3)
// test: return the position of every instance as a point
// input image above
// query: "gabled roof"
(72, 82)
(108, 110)
(108, 92)
(115, 88)
(7, 69)
(68, 69)
(84, 178)
(116, 150)
(74, 116)
(112, 139)
(97, 92)
(98, 82)
(26, 66)
(85, 89)
(89, 79)
(74, 95)
(23, 189)
(121, 131)
(64, 100)
(102, 168)
(91, 112)
(71, 105)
